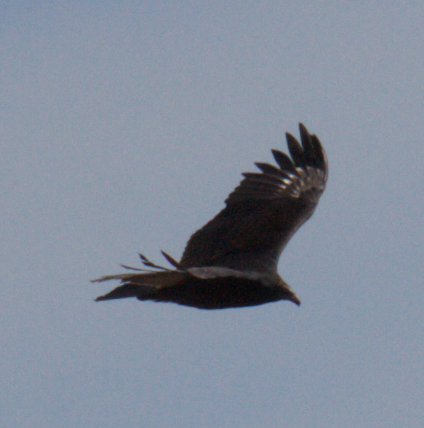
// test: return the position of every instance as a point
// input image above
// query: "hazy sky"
(124, 126)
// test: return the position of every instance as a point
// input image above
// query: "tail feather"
(140, 285)
(128, 290)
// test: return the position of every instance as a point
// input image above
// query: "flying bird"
(232, 260)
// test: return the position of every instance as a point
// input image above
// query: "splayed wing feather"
(283, 160)
(270, 170)
(295, 150)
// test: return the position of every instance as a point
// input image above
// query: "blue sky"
(123, 128)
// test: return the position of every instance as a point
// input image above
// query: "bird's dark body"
(232, 260)
(217, 293)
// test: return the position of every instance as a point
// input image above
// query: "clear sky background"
(124, 126)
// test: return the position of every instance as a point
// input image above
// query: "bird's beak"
(293, 298)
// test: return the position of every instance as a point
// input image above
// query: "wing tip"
(312, 150)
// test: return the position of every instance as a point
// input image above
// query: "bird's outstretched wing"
(264, 211)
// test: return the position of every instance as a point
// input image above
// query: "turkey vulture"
(232, 260)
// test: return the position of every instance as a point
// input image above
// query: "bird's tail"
(140, 285)
(144, 283)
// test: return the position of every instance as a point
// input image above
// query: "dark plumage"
(232, 260)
